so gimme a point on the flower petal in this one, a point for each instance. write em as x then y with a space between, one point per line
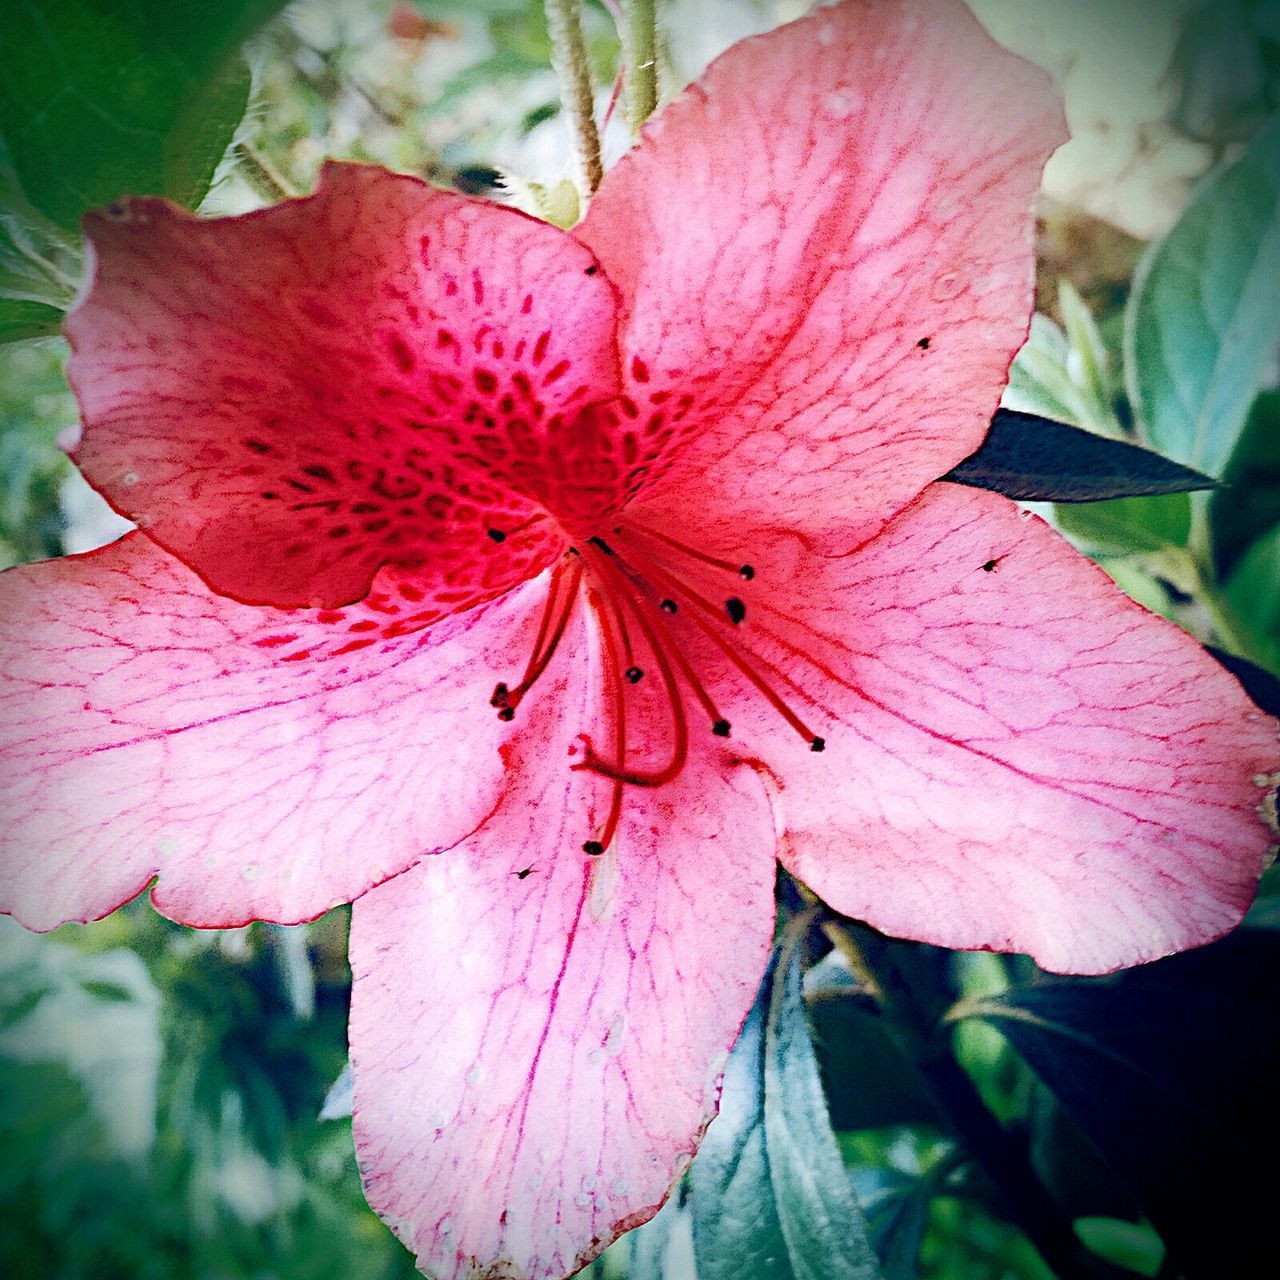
373 374
825 255
537 1036
265 764
1017 756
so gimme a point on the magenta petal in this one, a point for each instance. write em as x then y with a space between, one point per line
825 255
378 373
264 764
537 1036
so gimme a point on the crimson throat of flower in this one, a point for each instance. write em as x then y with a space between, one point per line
643 605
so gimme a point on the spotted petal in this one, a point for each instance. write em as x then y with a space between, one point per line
824 250
537 1036
379 373
1017 757
265 764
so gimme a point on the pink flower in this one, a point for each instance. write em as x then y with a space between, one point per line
665 482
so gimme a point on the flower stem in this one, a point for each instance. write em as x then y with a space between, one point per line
913 1000
569 56
259 173
640 52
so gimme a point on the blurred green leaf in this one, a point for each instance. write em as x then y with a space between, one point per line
1087 358
97 1014
1169 1068
769 1191
1252 593
1124 526
1131 1245
22 320
99 98
1248 503
1202 321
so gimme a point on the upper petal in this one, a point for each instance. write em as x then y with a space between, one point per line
265 764
1017 756
537 1035
378 373
825 255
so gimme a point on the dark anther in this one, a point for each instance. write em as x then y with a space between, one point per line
634 675
593 847
497 535
720 728
667 606
507 714
602 544
818 744
991 566
500 695
520 875
591 270
735 609
923 344
746 573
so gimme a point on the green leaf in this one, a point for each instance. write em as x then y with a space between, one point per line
1131 1245
1170 1070
1127 526
1087 357
100 98
769 1191
1202 321
22 320
1036 459
1252 593
1248 503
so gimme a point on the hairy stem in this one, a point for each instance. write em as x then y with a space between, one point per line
640 53
569 56
259 173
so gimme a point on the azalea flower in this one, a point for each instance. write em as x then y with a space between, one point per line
536 589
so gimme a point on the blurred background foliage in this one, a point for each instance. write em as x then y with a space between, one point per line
161 1089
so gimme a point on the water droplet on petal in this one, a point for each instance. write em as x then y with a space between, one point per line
947 287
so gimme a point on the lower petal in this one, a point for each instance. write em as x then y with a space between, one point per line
264 763
538 1035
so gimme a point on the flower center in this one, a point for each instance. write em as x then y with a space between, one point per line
636 583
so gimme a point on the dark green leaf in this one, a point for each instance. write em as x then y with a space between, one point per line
22 320
769 1191
99 98
1202 321
1259 684
1247 504
1170 1069
870 1082
1035 459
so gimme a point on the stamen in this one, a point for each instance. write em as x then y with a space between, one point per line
735 609
497 535
668 606
556 614
634 675
609 619
672 583
744 571
680 746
